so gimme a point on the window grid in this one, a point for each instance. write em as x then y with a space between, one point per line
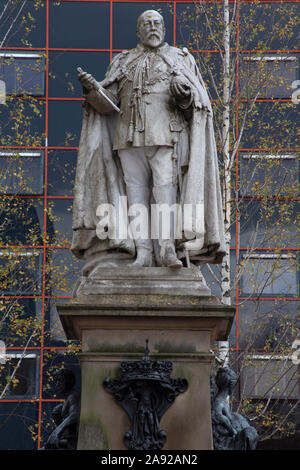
46 148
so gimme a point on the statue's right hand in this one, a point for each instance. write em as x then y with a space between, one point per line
86 79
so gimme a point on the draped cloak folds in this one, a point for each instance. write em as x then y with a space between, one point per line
99 176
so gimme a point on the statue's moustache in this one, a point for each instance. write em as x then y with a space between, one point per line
153 35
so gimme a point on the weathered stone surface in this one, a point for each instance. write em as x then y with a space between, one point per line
113 327
158 150
186 422
231 431
143 280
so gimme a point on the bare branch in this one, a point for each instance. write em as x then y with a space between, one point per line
17 366
12 23
212 36
4 9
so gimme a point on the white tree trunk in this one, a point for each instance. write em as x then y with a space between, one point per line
225 273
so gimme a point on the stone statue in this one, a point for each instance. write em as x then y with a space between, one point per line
231 431
65 415
147 139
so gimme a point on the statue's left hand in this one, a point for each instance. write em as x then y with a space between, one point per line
180 88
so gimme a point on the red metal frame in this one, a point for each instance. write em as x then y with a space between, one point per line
45 198
45 227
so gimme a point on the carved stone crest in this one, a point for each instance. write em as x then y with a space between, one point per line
145 391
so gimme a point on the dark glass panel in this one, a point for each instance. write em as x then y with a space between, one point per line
24 24
268 324
22 122
268 223
210 66
125 17
270 275
87 25
269 175
64 271
269 26
60 213
24 369
19 319
269 377
21 271
200 26
268 76
61 172
270 125
21 173
17 426
23 73
64 123
21 221
63 80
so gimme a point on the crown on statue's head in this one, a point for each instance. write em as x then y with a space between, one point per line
146 368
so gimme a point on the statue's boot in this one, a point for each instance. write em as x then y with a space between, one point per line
168 256
166 194
144 257
138 194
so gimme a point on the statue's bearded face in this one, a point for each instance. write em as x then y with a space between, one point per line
151 29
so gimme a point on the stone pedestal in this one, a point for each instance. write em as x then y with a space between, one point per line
113 312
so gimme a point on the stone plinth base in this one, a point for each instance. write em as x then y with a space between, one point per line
140 280
113 318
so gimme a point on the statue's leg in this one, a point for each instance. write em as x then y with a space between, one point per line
137 176
165 195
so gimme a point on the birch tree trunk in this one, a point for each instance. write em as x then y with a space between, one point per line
225 271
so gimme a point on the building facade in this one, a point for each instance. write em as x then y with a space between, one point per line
41 46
